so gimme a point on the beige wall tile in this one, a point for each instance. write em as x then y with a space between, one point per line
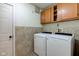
24 40
68 27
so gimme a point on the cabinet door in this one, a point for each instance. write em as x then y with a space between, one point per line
42 17
52 14
59 11
58 47
69 10
47 16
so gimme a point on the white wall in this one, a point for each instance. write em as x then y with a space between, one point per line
26 16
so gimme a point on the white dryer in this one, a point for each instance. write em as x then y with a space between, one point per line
40 44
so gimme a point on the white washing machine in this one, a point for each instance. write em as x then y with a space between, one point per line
60 45
40 44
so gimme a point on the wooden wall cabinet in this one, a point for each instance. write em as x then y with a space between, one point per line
60 12
47 15
67 11
43 17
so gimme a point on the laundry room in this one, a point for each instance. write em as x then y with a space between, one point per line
39 29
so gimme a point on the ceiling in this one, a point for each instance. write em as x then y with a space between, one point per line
42 5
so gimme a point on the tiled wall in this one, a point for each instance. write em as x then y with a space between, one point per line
24 40
69 27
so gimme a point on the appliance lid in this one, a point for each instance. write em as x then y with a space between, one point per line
41 34
63 37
